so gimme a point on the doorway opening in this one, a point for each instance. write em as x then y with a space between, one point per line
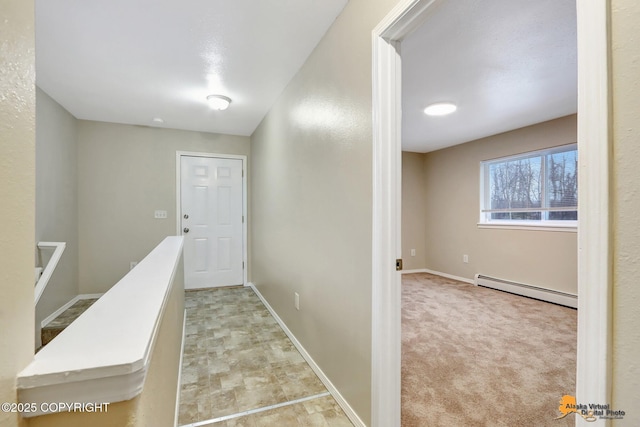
594 275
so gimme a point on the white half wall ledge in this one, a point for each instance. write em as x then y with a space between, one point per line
101 358
50 318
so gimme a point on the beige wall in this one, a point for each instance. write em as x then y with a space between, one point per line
17 195
337 270
414 211
541 258
56 201
155 406
125 173
311 205
626 207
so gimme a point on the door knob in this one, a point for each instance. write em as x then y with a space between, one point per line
186 230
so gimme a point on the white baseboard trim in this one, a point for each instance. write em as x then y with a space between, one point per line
61 310
348 410
184 330
439 273
417 270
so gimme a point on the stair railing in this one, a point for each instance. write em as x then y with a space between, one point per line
51 266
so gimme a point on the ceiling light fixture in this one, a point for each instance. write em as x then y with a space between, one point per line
440 109
158 120
218 102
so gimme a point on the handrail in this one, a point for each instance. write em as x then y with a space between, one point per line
51 266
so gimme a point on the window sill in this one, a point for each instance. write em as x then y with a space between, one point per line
547 226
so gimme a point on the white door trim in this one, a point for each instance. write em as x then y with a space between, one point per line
179 154
594 256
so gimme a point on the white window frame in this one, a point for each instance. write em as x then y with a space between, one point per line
485 220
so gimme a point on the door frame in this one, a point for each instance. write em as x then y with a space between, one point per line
593 375
179 155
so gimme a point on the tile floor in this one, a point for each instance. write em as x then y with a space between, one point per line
237 362
57 325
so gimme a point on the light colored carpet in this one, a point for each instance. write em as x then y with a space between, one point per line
473 356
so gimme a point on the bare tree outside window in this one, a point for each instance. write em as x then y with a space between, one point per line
562 187
516 185
539 186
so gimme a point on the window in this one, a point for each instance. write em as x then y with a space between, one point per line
533 189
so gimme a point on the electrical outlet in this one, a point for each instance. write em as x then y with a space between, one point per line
465 258
296 300
413 252
132 264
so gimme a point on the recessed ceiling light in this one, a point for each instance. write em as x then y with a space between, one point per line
440 109
218 102
158 120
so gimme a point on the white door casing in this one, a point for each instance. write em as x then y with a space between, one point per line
211 211
594 244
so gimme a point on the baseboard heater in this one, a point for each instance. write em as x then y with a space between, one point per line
556 297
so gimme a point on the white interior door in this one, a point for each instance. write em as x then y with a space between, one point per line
211 221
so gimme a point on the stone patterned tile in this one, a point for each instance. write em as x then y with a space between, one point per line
237 422
259 397
57 325
189 412
237 358
325 413
281 417
222 402
72 313
232 379
258 378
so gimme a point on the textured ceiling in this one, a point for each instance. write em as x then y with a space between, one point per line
505 63
129 61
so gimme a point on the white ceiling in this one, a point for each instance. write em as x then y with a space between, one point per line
505 63
129 61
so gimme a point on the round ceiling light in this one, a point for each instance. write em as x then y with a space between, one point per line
218 102
440 109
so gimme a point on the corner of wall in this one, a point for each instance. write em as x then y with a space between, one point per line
17 192
451 225
56 201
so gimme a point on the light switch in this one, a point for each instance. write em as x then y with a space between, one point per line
160 214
